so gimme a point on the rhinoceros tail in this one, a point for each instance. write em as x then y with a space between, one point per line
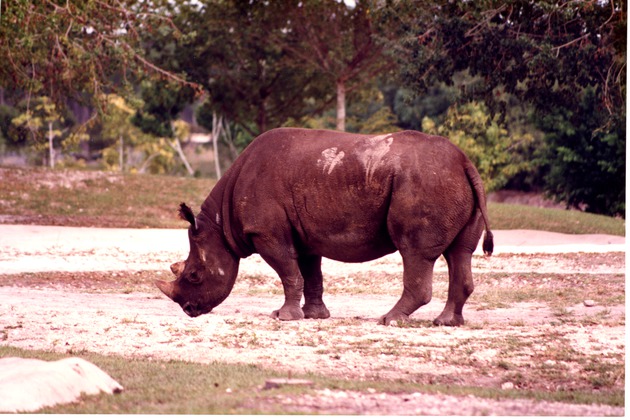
477 185
488 243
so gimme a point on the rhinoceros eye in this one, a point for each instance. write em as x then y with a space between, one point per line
193 277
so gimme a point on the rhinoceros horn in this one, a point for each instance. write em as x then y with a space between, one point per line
166 287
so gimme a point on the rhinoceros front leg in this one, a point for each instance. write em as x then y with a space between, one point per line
293 287
311 269
286 266
417 288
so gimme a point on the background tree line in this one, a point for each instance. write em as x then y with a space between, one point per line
534 92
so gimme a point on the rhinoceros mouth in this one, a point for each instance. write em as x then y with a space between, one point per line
194 310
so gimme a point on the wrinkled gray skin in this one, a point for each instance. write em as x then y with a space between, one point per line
295 196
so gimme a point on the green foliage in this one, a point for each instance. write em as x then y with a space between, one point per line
342 44
587 162
161 104
119 131
9 133
232 50
43 122
369 114
74 49
488 143
37 120
64 49
549 55
411 109
527 49
240 137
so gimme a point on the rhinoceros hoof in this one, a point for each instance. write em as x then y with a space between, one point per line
393 319
288 314
316 311
449 321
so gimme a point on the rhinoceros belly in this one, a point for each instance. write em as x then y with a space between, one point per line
350 246
343 225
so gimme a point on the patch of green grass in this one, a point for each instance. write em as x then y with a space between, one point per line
164 387
110 199
104 199
179 387
512 216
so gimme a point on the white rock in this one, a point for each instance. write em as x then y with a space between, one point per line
31 384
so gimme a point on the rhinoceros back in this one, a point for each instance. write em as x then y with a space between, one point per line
347 196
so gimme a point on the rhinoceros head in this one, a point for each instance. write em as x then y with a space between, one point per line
207 276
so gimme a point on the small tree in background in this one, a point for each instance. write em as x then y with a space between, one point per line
43 121
118 129
157 115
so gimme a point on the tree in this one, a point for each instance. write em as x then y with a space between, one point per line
10 135
162 103
339 41
118 129
224 133
548 54
61 49
586 163
230 49
42 118
527 49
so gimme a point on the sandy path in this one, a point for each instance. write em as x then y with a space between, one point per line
27 248
350 344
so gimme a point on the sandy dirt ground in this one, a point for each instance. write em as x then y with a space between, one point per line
500 346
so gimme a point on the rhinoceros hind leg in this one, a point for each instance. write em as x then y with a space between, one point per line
449 320
460 280
460 286
417 288
393 318
288 313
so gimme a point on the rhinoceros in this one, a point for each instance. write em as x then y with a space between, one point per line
297 195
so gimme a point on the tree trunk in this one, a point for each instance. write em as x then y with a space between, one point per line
229 140
217 127
121 154
144 166
51 149
178 148
341 106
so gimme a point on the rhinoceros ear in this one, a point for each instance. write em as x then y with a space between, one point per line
185 213
178 267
